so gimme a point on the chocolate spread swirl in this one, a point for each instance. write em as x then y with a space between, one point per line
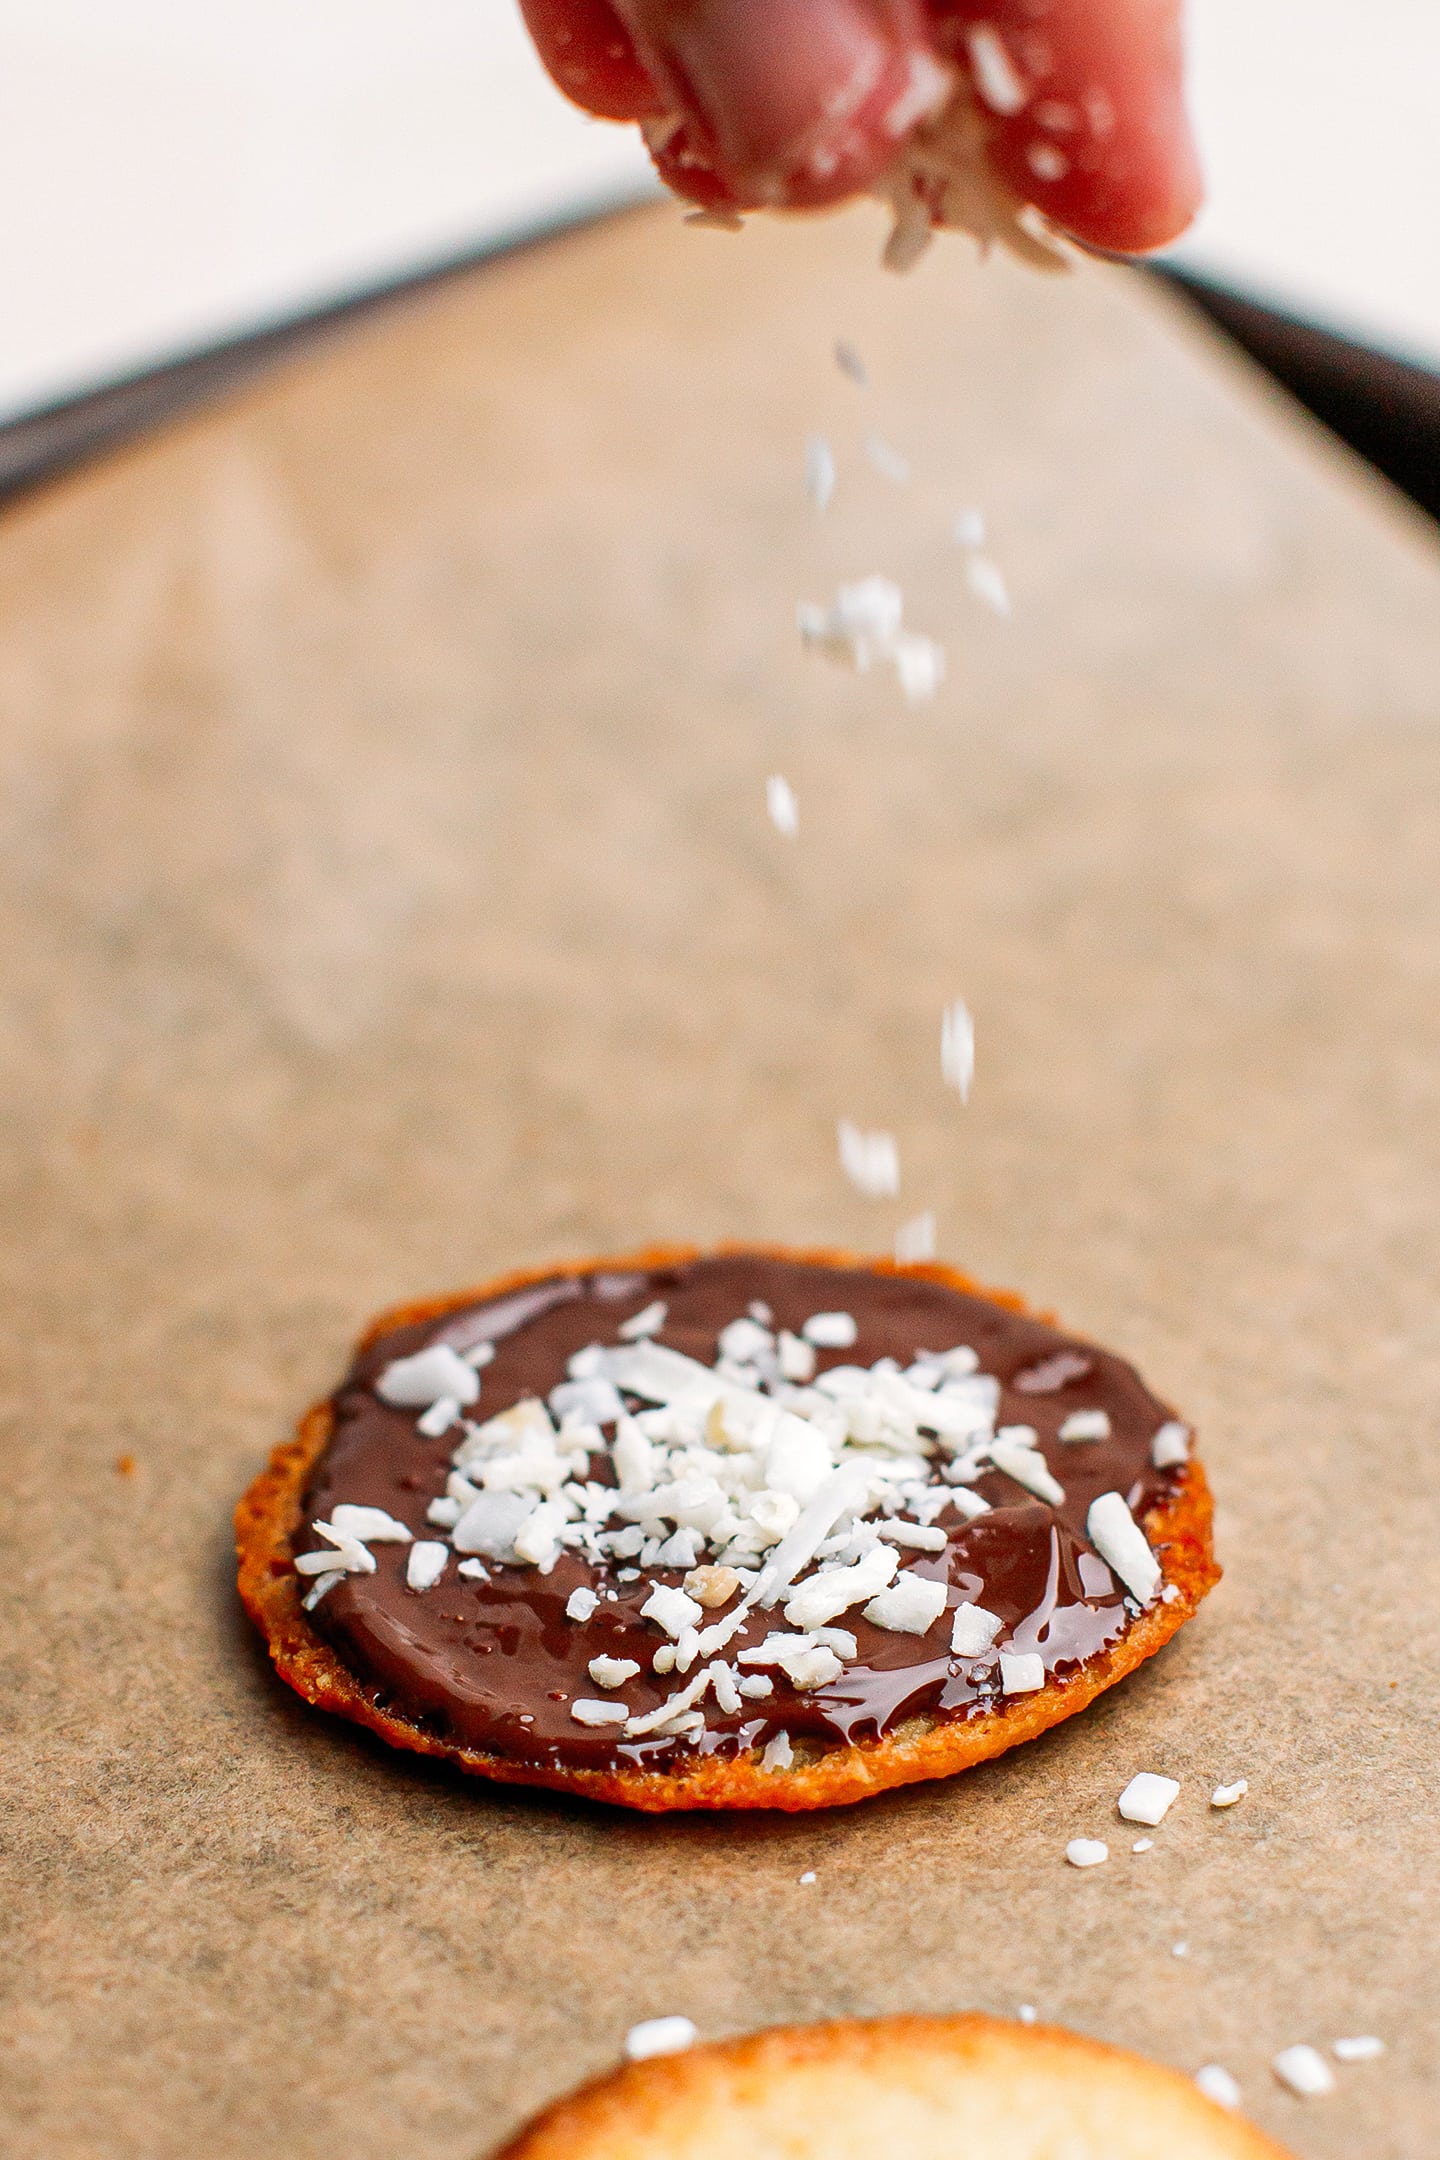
495 1663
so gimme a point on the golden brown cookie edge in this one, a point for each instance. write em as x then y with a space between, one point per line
617 2113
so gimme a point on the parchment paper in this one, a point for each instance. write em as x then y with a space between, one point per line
389 899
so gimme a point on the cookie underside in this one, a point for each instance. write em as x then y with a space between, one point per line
270 1514
928 2087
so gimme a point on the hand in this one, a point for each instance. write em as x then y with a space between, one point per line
796 103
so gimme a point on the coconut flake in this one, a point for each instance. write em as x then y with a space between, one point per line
643 1324
425 1564
1085 1425
369 1525
830 1330
659 2036
887 460
1147 1798
612 1672
321 1587
1228 1795
438 1419
671 1609
1122 1544
915 1240
849 362
1171 1445
997 79
917 1537
1022 1672
1363 2047
819 471
1217 2084
777 1753
987 584
1085 1852
864 627
1305 2070
973 1630
1026 1465
957 1048
414 1383
824 1597
598 1713
911 1605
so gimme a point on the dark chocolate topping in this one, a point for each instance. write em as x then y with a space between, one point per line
495 1664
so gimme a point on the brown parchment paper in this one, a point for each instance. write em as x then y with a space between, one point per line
388 898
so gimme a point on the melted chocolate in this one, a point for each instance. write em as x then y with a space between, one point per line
496 1664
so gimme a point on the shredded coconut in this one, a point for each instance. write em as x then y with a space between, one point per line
1122 1545
864 626
819 471
781 806
871 1161
830 1330
1148 1798
987 584
997 78
598 1713
428 1377
1086 1852
1228 1795
1217 2084
370 1525
643 1324
957 1048
581 1604
659 2036
915 1240
849 362
612 1672
1305 2071
887 460
973 1630
1021 1672
911 1605
1171 1445
1085 1425
425 1564
777 1754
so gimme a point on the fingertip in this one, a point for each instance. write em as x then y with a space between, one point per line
1098 136
589 54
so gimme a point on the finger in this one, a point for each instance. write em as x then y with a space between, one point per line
1093 128
795 102
589 52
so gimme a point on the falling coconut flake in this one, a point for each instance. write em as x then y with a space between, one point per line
968 529
870 1160
819 471
915 1240
986 583
864 626
849 362
782 806
957 1049
887 460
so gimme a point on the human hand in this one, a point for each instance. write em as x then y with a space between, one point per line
798 103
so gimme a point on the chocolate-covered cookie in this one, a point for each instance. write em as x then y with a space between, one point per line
739 1529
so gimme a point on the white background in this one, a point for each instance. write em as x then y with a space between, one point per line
172 171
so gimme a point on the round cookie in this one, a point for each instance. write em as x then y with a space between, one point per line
931 2088
743 1529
